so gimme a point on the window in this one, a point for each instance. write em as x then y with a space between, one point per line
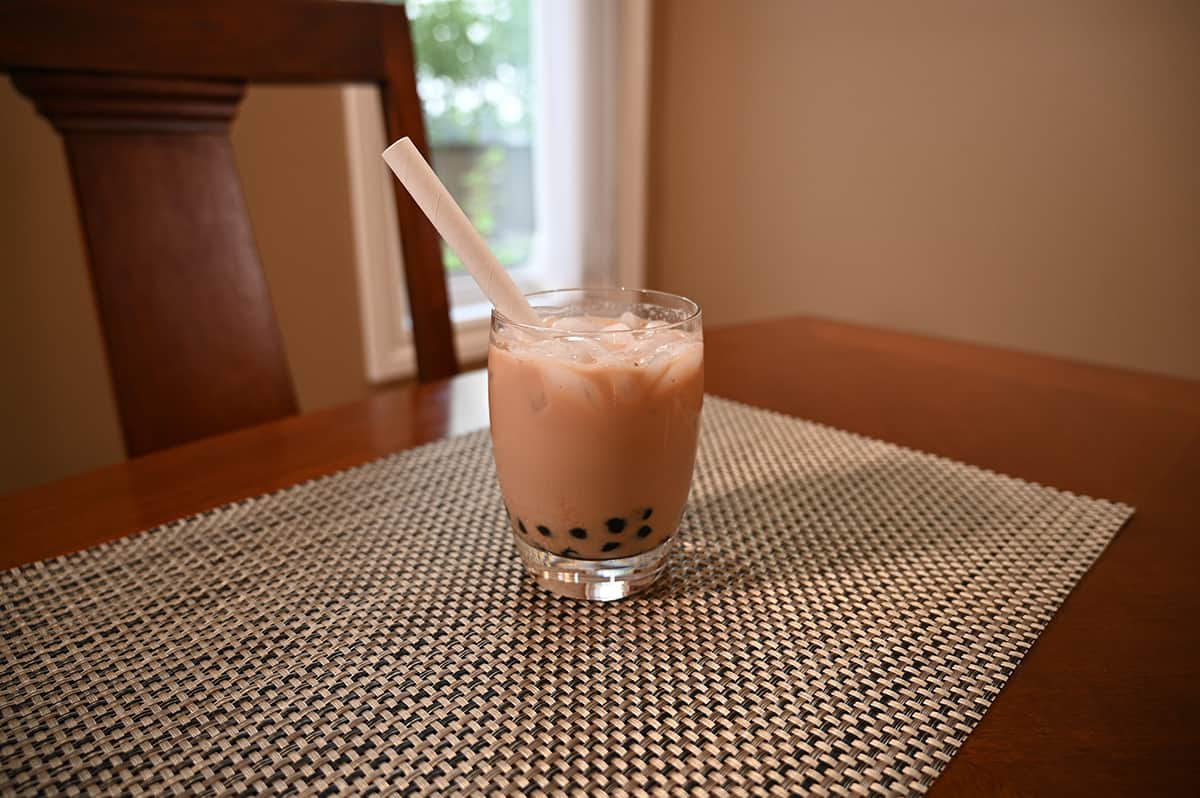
475 78
536 118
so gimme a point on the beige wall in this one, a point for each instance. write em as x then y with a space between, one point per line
291 152
57 414
1024 174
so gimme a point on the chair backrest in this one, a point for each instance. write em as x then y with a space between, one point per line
143 93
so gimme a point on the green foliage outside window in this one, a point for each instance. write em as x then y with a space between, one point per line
474 74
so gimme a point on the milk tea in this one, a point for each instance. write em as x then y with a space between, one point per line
594 425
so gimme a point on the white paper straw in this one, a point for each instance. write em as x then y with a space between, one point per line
454 226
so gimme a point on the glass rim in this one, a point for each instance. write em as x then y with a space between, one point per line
691 308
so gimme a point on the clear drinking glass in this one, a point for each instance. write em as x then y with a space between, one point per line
594 424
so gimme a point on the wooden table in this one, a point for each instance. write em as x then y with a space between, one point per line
1107 701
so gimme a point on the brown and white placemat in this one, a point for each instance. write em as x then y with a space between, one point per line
839 615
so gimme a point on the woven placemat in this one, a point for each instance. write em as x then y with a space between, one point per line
838 616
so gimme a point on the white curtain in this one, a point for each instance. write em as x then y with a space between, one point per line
590 58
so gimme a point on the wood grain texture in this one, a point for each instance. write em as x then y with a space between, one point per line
1104 703
128 497
277 41
143 94
188 324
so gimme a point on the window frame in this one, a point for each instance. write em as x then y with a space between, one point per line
608 78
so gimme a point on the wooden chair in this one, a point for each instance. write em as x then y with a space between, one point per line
143 93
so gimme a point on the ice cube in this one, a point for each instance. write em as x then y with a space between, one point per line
615 337
655 363
684 361
562 382
625 383
580 324
580 349
631 321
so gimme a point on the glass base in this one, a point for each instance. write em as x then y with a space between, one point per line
597 580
